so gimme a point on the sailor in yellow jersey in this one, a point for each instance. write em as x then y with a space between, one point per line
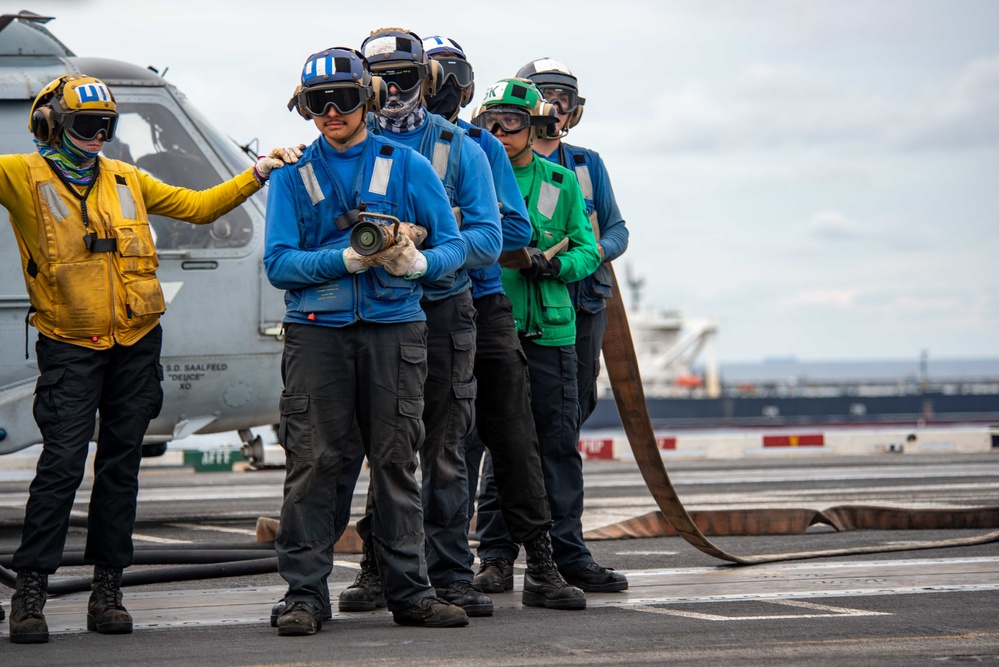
82 227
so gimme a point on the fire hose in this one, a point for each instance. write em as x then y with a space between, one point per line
626 382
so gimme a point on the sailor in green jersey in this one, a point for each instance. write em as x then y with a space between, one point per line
563 250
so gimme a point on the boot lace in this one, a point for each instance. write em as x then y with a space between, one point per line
368 576
545 563
107 588
32 593
487 563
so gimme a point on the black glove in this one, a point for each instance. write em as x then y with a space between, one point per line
542 268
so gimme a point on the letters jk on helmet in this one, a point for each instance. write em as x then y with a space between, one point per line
340 77
82 105
549 73
522 95
398 48
453 64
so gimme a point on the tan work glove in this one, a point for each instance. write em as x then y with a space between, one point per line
355 262
402 259
276 159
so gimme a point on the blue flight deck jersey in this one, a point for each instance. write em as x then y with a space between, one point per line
465 173
513 213
303 248
589 293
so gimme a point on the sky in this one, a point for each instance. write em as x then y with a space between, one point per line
819 177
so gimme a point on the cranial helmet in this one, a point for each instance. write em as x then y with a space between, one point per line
550 74
398 48
82 105
453 63
518 95
340 77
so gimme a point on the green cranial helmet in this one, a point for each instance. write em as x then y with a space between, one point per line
519 95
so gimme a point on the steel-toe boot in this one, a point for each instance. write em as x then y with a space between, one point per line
105 614
495 575
543 585
279 608
27 622
299 619
366 592
596 579
464 594
432 613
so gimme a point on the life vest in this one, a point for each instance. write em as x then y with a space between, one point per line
97 292
380 184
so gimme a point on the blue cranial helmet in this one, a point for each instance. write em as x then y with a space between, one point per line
340 77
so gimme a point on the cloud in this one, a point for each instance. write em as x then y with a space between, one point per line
965 115
833 226
768 106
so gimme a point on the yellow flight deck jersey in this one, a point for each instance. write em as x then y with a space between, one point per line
99 299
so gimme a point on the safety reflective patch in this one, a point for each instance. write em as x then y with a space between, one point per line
550 65
127 202
442 152
57 207
381 46
548 200
380 176
585 184
308 176
93 92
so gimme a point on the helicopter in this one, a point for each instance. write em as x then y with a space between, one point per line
222 327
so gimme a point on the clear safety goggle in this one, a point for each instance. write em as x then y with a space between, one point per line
345 99
509 120
565 99
459 70
404 78
86 125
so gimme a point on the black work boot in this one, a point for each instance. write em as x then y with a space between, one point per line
597 579
27 622
366 592
432 613
464 594
299 619
279 608
495 575
105 614
543 585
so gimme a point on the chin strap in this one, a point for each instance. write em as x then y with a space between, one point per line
527 149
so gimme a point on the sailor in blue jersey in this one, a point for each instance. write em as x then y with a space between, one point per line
398 58
355 341
559 85
503 406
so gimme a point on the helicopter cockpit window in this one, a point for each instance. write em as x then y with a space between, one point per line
150 137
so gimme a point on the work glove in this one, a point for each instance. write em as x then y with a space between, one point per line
541 267
355 262
402 259
276 159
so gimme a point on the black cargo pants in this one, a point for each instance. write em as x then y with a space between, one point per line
376 372
124 383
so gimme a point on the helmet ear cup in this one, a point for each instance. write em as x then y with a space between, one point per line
296 104
433 82
379 90
43 125
576 115
548 130
466 96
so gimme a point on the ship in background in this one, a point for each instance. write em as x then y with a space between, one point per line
685 387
